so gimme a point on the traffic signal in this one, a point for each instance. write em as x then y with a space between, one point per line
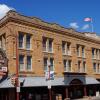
13 81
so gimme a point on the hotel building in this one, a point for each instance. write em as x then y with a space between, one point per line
72 57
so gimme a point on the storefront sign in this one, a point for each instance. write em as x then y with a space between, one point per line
49 84
18 89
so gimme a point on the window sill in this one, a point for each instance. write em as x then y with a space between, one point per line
95 59
48 52
97 73
66 54
25 49
81 57
26 72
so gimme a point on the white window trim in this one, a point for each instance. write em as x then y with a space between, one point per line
31 65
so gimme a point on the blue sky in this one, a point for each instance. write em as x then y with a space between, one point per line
67 13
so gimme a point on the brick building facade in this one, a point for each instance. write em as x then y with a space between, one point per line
74 59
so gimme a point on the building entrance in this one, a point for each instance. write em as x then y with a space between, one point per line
76 89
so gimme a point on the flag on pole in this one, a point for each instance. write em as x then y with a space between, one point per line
88 19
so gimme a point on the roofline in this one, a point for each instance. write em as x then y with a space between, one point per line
13 16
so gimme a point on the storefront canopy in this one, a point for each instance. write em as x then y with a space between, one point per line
41 81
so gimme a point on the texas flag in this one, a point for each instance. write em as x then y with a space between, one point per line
88 19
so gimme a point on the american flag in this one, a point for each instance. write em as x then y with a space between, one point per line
87 19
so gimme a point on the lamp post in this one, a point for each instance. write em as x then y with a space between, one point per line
17 80
49 87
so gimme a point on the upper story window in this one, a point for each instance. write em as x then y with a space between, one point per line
48 63
84 66
66 48
98 68
29 63
28 41
80 50
83 52
3 42
63 47
47 44
67 65
21 40
21 62
24 41
79 66
93 53
45 64
94 67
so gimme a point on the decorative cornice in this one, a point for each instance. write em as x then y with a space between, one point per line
36 22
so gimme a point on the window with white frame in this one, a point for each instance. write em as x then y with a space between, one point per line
78 50
47 44
21 40
44 43
94 67
83 51
51 64
84 66
28 41
3 42
79 66
66 48
93 54
21 62
50 49
29 63
98 68
67 65
46 64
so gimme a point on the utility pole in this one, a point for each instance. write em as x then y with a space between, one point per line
17 79
50 98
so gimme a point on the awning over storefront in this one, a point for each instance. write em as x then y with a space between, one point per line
41 81
91 80
33 82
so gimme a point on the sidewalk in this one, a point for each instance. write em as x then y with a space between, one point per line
90 98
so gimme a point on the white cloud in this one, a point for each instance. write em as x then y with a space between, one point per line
4 9
86 26
74 25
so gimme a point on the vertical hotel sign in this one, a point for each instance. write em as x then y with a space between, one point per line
3 62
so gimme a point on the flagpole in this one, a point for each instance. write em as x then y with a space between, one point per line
92 26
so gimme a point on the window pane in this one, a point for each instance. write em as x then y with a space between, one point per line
50 45
83 55
84 66
21 62
44 43
28 39
94 67
63 47
45 64
92 52
79 68
51 64
21 40
78 52
29 63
